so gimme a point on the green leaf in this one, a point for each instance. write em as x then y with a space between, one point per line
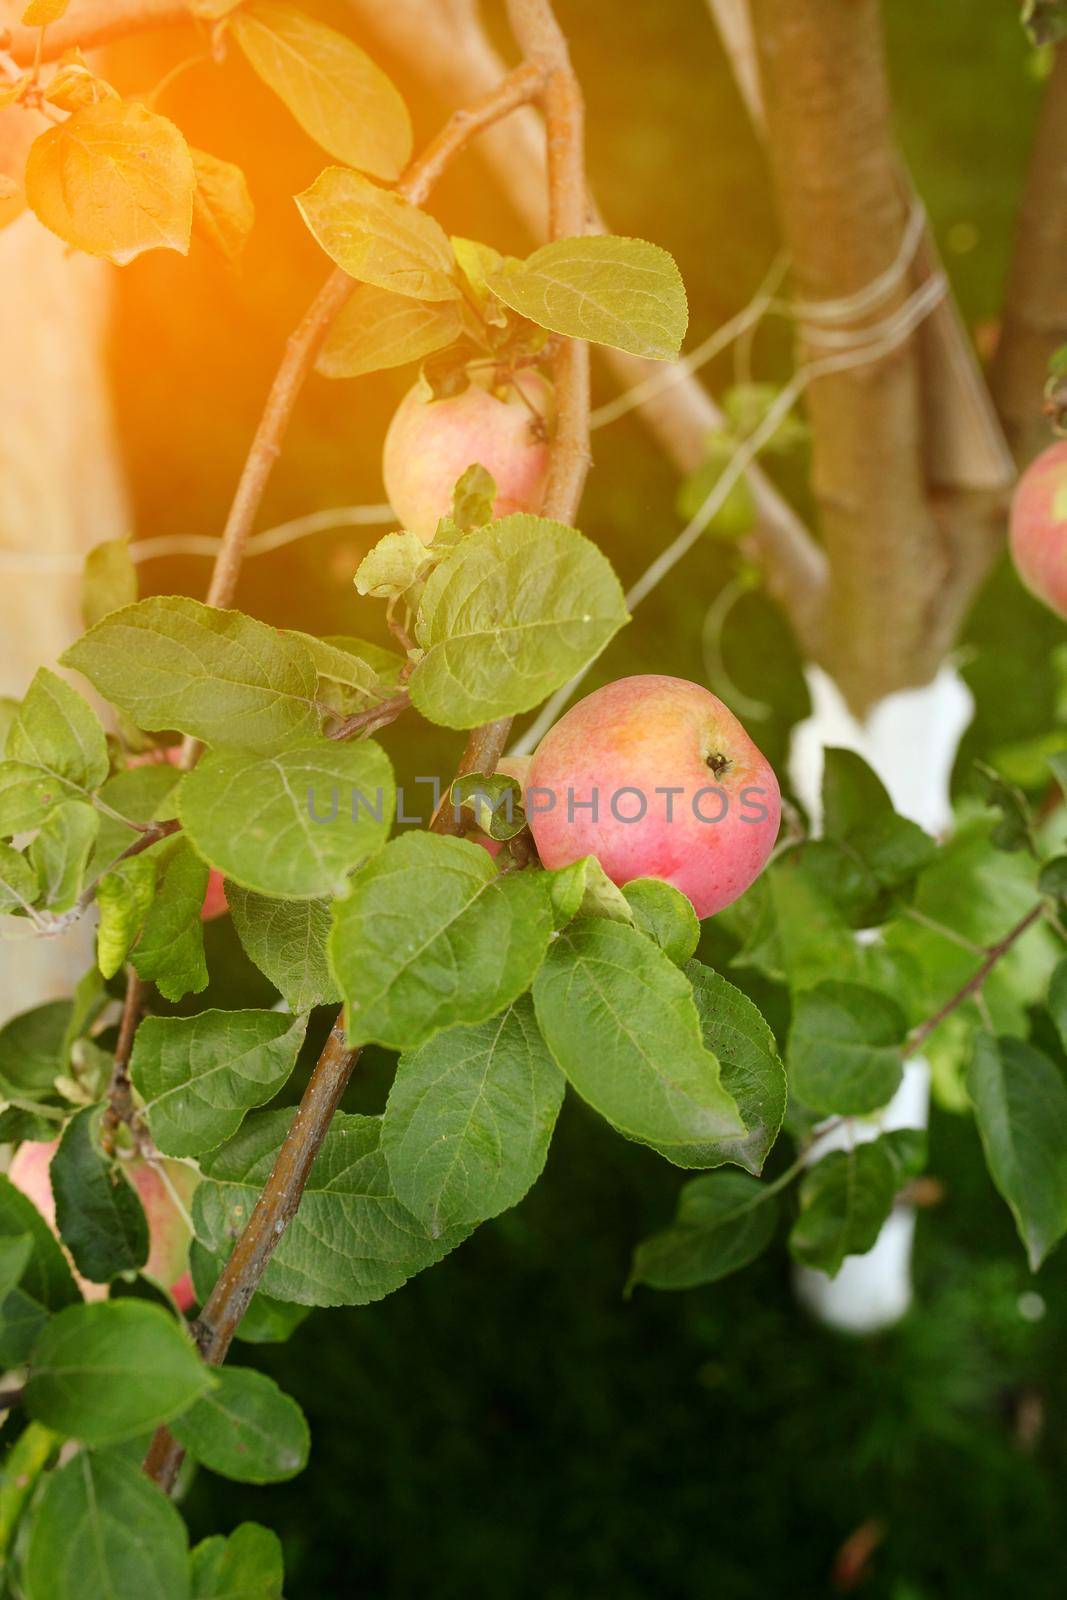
27 797
34 1051
664 916
199 1075
107 1372
1057 999
246 1566
98 1213
286 939
723 1222
114 180
60 854
170 662
143 794
123 899
103 1530
747 406
752 1073
378 237
620 1020
584 889
1052 879
737 514
508 616
391 566
47 1278
21 1320
478 262
109 580
294 823
472 499
170 951
18 880
469 1119
24 1463
625 293
858 814
1014 831
430 936
246 1429
266 1321
18 1126
1020 1104
845 1048
847 1196
15 1252
351 1241
378 329
353 673
332 87
494 802
55 732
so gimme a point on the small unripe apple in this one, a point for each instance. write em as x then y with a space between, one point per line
1039 527
168 1231
215 902
657 779
431 443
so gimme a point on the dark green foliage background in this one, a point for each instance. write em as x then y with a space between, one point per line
508 1425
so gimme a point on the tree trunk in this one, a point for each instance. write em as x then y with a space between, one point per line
844 217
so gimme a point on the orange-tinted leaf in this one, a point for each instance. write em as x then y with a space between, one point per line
332 87
39 13
75 85
223 212
115 180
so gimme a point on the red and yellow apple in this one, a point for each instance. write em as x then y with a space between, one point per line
166 1191
657 779
431 443
1039 528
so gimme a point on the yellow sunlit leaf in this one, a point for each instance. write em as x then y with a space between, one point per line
377 236
114 180
331 86
39 13
223 212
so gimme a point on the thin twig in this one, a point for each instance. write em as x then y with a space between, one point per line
149 835
120 1093
918 1036
274 1210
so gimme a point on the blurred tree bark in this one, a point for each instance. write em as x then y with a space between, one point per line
1035 305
